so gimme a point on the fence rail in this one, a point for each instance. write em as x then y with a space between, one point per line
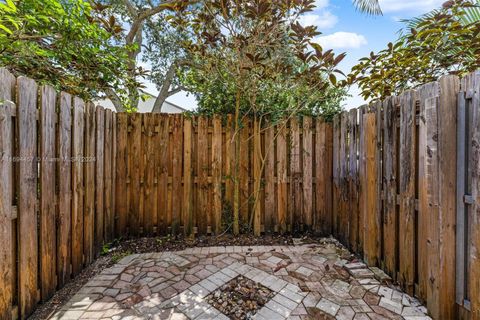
56 190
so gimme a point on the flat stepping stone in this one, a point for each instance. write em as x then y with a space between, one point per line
361 273
380 275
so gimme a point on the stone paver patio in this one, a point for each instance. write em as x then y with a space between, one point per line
317 281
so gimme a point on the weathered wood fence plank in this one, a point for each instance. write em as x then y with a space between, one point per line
64 218
77 184
89 167
407 191
390 186
370 197
47 238
7 272
307 181
27 195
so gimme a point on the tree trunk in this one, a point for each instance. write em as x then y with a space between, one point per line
258 164
164 91
116 101
236 182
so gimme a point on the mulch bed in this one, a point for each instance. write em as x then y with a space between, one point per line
240 298
121 248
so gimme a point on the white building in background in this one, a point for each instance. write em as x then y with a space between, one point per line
146 106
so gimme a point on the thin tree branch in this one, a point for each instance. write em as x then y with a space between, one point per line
141 16
176 90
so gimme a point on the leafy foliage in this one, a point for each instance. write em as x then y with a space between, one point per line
368 6
256 54
445 41
64 43
277 99
151 39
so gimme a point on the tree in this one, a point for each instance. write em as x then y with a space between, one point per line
368 6
63 43
251 46
153 40
444 41
149 38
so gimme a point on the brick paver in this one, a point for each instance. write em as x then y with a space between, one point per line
316 281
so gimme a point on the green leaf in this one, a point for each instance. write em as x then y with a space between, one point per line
5 29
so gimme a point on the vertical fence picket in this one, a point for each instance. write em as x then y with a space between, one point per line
99 178
257 178
407 191
113 157
307 180
229 162
135 140
217 173
187 209
64 218
177 172
244 173
328 175
108 175
449 87
27 195
295 198
202 171
370 205
89 167
270 204
163 145
7 274
282 179
390 186
47 191
8 257
336 174
344 219
77 184
149 176
432 167
352 179
121 208
361 178
425 93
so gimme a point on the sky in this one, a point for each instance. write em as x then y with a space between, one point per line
344 29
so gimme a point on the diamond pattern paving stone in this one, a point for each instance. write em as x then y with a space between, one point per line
303 278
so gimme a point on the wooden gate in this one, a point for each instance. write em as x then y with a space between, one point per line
468 187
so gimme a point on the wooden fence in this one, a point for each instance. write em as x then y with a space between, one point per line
56 190
175 173
397 181
398 184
